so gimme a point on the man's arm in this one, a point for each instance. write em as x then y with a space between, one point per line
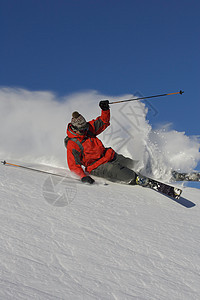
74 159
102 122
74 163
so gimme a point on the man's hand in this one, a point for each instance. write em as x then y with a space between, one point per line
104 105
87 179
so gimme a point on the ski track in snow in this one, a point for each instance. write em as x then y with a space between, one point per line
110 242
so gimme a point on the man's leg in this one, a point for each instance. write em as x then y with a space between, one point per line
126 161
114 171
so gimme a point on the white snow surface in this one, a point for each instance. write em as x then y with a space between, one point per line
61 239
95 242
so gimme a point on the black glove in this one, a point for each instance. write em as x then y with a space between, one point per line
87 179
104 105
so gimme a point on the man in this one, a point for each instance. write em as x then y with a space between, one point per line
85 149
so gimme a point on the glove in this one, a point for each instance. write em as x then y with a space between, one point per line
87 179
104 105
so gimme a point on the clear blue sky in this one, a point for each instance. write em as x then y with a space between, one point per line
113 46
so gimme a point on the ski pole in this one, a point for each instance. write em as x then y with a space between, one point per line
32 169
148 97
49 173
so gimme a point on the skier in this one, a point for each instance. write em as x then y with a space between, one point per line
85 149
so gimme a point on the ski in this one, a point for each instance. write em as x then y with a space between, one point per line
193 176
158 186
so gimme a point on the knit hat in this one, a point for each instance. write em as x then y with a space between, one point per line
78 121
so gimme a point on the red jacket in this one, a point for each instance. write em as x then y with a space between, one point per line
88 150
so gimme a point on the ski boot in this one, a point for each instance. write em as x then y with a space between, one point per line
142 181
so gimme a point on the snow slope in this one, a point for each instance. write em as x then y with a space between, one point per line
95 242
64 240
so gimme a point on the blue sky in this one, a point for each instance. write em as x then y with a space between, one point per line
115 47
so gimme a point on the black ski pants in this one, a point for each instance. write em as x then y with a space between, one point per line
119 169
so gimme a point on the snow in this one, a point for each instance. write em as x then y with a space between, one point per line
108 242
61 239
